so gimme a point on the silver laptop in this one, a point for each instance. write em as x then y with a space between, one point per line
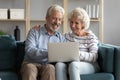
63 52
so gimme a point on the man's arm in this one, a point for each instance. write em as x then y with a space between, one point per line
31 46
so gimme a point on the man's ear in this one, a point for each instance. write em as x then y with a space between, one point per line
36 27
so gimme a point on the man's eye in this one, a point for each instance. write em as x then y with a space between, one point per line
76 23
60 19
71 22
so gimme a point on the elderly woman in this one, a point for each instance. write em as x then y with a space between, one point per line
79 23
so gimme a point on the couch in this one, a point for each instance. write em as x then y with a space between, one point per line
12 54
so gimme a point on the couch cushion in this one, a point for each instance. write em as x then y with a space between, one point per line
98 76
7 52
5 75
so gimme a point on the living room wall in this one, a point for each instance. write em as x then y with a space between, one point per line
112 22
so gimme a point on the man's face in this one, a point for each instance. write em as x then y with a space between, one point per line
54 20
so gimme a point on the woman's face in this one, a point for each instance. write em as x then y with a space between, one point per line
76 25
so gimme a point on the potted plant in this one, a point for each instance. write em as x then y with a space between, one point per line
2 33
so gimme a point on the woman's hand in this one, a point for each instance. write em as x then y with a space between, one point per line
36 27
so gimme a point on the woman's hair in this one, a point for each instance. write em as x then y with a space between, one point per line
81 14
56 8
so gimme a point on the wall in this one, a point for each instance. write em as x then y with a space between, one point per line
112 22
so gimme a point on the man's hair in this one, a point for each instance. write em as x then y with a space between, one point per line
82 15
56 8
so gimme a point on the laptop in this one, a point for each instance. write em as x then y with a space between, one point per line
63 52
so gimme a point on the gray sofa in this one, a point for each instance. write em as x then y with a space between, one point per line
12 54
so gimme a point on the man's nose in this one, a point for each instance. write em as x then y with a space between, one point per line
73 25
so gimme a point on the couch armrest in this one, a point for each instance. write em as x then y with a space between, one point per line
7 52
117 63
106 58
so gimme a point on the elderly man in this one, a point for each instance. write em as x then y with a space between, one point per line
35 62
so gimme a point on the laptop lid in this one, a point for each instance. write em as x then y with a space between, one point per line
63 52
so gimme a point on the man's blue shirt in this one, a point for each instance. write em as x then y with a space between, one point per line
36 44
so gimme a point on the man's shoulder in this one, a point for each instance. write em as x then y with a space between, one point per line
58 34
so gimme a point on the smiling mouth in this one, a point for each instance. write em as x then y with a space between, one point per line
55 26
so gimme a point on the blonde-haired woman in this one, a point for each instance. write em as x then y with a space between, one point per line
79 22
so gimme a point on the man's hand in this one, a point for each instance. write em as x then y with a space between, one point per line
36 27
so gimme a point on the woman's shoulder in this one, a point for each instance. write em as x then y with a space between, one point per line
91 34
67 34
92 37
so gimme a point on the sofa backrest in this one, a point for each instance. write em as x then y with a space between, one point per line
106 58
20 53
7 52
